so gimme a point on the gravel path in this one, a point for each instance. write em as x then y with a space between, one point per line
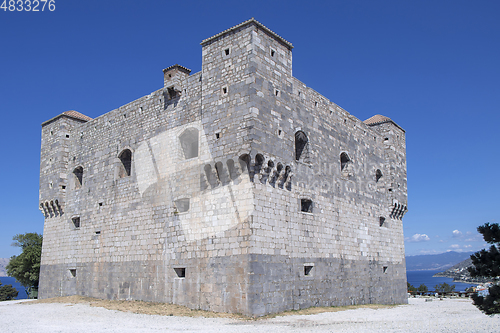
448 315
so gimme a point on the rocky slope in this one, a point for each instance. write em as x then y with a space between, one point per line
3 263
440 261
459 273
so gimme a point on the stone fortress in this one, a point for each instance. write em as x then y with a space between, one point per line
234 189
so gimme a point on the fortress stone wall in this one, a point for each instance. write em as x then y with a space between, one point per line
235 189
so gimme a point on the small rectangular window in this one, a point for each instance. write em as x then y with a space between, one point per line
181 272
72 272
308 269
306 205
384 269
76 222
382 221
182 205
226 51
273 52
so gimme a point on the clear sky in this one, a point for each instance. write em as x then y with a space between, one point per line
431 66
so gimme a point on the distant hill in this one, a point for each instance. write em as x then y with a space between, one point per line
440 261
3 263
459 273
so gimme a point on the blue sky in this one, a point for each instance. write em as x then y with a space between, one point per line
431 66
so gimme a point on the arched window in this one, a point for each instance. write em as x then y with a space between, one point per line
189 143
301 146
259 161
78 173
126 163
378 175
344 161
244 163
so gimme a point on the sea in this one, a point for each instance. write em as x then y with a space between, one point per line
12 281
416 278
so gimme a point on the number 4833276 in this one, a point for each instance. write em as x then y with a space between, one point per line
28 6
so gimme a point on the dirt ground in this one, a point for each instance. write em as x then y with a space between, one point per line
165 309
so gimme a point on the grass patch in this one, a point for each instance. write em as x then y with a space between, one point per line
140 307
322 309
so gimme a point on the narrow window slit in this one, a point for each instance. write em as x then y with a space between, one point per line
126 163
181 272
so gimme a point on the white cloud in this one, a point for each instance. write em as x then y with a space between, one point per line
419 238
454 246
475 238
457 233
429 252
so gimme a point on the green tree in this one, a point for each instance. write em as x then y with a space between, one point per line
444 288
422 288
410 287
26 266
486 263
7 292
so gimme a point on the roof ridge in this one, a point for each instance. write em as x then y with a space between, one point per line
252 20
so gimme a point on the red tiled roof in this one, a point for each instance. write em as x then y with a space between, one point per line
377 119
72 114
380 119
76 114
